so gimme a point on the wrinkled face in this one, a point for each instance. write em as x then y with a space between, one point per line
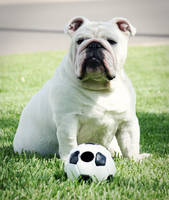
98 50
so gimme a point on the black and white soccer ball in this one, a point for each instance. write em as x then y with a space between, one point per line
90 161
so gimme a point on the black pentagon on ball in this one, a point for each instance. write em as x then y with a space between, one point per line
110 178
100 159
74 157
87 156
85 178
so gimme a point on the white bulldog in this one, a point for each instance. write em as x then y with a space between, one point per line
89 98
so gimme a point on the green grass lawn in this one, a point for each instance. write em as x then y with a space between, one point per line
34 177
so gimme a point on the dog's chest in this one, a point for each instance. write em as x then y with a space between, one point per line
96 127
99 121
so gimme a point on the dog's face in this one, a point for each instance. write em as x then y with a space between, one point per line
98 49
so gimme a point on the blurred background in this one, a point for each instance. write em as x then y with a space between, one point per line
37 25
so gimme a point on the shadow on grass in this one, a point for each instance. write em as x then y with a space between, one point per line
25 164
154 136
7 152
154 130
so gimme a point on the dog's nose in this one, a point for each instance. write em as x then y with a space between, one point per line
94 45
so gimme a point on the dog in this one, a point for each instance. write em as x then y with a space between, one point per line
89 98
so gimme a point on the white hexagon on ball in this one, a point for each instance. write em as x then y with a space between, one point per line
90 161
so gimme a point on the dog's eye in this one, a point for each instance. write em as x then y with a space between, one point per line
112 42
79 41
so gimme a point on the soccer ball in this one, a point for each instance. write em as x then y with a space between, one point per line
90 161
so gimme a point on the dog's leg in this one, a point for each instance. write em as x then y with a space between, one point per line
128 137
114 148
67 136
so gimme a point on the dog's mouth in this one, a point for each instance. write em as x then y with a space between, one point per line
93 63
94 66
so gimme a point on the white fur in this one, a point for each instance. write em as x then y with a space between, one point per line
68 111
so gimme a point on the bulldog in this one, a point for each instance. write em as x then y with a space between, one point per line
89 98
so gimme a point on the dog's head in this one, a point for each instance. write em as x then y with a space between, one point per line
98 49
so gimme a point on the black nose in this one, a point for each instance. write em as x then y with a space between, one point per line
95 45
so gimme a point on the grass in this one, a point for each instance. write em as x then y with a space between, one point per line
34 177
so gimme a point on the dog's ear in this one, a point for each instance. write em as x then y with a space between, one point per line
75 24
125 26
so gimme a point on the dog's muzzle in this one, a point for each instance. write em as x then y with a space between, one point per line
94 55
94 60
93 63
